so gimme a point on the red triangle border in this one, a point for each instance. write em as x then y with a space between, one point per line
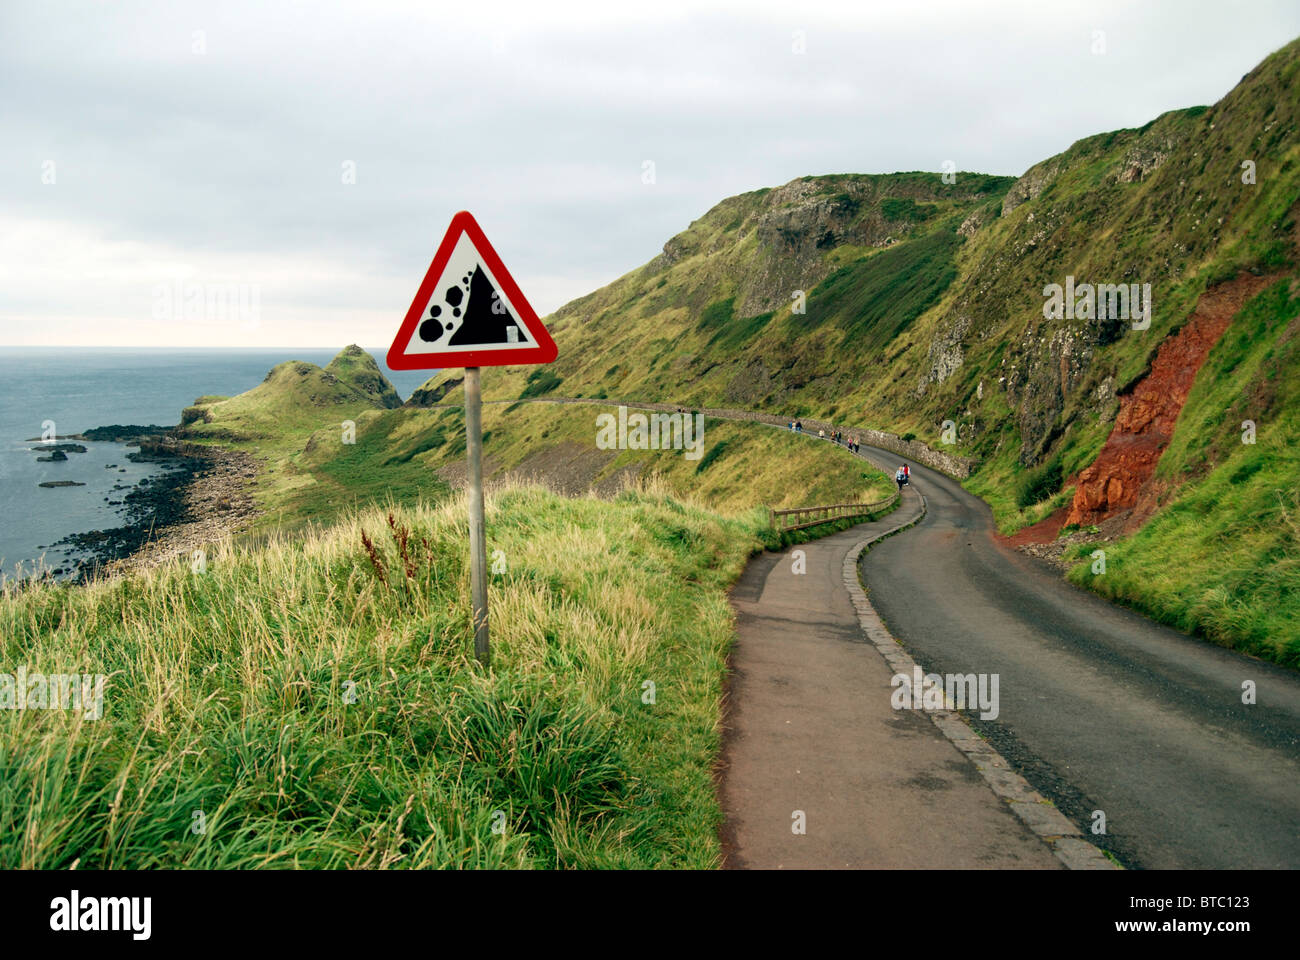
544 352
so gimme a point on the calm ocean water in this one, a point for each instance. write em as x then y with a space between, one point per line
83 388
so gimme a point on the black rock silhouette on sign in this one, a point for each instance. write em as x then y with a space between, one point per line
481 323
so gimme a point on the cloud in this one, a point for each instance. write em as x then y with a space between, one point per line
219 138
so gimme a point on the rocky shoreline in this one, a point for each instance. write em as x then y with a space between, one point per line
203 497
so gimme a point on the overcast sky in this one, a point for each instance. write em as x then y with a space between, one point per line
150 148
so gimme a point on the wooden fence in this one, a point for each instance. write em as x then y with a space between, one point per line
801 517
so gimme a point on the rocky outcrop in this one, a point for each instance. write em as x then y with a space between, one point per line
427 396
1034 181
202 502
798 233
1140 161
970 226
358 369
946 355
1155 144
61 448
1054 366
125 432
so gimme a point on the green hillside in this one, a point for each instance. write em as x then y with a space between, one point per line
925 305
332 440
906 303
295 397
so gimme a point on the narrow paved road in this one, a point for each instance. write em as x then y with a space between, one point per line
1101 709
820 771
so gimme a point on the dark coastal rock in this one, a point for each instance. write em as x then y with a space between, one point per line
155 503
140 457
54 457
119 433
61 483
60 448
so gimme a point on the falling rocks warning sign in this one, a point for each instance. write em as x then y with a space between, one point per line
469 312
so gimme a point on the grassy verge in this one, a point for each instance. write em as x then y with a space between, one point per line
228 709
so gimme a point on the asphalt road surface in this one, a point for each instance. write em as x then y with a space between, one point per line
811 736
1101 709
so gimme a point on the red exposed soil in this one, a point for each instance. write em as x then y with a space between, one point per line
1118 479
1043 531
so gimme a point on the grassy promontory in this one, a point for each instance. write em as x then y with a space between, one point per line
311 703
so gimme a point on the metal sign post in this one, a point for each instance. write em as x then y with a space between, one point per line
477 547
470 313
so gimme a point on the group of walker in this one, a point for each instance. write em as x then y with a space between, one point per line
836 436
901 477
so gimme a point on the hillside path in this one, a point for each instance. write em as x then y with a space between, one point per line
809 727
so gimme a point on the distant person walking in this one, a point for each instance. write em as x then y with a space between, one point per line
907 473
900 478
822 433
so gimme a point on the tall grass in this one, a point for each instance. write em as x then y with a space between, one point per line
304 704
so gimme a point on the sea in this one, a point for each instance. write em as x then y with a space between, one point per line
67 390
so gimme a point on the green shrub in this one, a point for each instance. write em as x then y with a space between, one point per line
894 208
1040 484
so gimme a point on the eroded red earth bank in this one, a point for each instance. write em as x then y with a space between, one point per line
1120 478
